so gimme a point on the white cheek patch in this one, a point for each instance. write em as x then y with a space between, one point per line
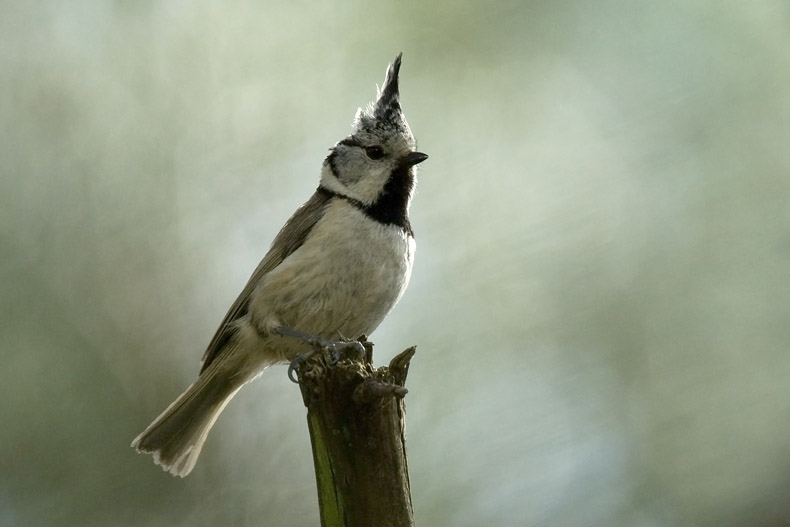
367 188
330 182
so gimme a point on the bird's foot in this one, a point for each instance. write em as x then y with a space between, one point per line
337 349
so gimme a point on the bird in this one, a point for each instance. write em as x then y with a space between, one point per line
336 268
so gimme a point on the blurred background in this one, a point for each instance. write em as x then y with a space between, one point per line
601 296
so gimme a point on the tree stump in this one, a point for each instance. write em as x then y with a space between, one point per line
357 421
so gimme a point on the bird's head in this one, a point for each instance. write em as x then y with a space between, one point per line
376 162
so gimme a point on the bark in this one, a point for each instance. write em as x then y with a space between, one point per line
357 419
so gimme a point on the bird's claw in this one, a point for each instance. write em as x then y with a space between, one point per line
296 365
336 349
349 347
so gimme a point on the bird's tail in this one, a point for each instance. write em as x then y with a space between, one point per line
176 437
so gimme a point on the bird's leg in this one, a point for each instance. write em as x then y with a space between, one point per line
305 337
318 344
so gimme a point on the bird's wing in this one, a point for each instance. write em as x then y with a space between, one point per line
289 239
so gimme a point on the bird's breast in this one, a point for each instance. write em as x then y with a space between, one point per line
347 275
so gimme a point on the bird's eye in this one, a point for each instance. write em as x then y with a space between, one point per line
374 152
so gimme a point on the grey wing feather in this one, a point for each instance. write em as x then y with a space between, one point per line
289 239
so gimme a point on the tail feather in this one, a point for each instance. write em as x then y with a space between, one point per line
176 437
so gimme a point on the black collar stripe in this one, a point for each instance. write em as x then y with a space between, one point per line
332 194
380 211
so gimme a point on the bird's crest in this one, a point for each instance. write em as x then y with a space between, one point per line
385 112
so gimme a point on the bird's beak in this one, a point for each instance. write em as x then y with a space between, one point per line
413 158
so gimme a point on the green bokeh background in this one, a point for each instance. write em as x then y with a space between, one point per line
601 297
